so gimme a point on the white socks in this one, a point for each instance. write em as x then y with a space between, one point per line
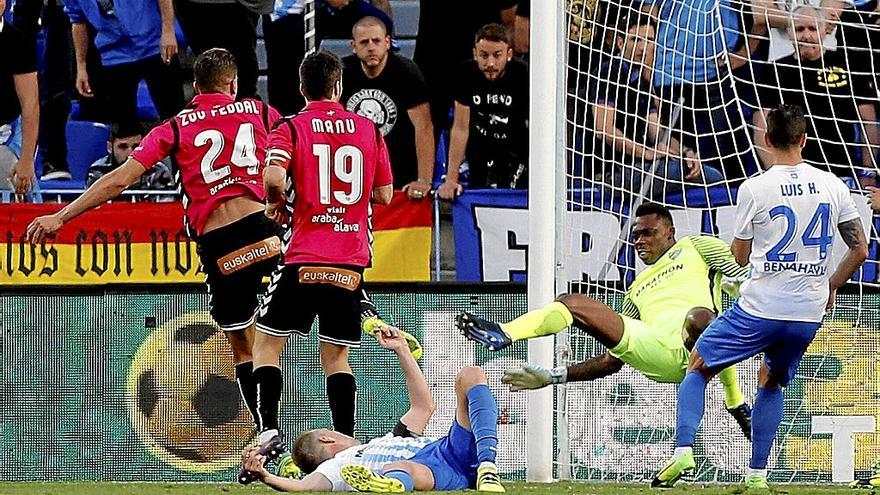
680 451
756 472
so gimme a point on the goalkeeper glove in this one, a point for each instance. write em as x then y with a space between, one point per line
730 285
530 377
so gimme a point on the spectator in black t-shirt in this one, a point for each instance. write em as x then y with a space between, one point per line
389 89
446 37
491 117
835 98
19 108
336 18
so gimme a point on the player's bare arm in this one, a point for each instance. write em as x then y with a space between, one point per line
530 377
741 249
421 402
314 482
106 188
853 235
594 368
274 180
382 194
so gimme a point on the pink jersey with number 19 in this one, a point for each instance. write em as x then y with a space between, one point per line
217 144
335 159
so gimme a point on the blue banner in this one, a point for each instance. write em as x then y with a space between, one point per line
492 233
473 226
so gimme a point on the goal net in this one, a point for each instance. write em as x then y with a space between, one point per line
664 101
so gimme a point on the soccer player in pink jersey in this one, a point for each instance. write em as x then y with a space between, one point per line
338 164
218 146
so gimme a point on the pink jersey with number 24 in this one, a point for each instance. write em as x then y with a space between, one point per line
218 147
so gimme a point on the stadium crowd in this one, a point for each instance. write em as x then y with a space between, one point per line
663 94
126 65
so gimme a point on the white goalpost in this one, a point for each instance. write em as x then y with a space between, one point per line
625 99
546 154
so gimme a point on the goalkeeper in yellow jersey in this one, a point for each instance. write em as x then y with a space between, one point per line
666 308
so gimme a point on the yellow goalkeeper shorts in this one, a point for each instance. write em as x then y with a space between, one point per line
646 350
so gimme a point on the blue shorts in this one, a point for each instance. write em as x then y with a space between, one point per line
452 459
737 335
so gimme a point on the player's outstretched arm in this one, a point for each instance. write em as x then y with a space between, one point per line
314 482
421 403
103 190
274 179
529 377
742 250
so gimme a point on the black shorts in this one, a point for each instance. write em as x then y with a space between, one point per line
292 302
234 294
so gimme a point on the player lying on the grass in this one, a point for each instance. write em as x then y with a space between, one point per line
666 308
787 220
402 460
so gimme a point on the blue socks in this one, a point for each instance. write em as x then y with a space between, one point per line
402 476
691 403
483 413
766 416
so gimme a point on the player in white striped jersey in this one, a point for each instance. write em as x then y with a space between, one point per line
403 460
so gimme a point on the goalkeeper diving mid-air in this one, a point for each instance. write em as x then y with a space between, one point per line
666 308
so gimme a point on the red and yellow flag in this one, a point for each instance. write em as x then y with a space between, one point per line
402 241
147 243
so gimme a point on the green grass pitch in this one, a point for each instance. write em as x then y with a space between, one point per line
104 488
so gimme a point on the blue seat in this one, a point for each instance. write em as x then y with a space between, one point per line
406 18
146 109
407 48
339 47
86 142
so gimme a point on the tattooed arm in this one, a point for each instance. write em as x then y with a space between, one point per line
854 236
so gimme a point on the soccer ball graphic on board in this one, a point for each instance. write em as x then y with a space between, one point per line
183 399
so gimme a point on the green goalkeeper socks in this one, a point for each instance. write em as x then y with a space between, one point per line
733 396
552 318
